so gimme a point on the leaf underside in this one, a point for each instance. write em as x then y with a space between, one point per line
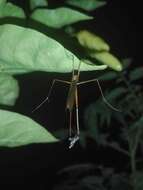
9 90
17 130
26 50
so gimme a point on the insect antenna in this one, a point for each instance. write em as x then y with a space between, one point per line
45 100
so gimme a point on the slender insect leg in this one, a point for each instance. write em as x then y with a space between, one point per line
70 124
47 98
73 66
87 81
79 69
75 138
77 115
103 97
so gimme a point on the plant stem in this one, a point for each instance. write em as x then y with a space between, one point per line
120 150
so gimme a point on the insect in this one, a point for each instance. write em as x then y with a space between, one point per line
72 101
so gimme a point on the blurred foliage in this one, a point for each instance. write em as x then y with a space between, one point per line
91 177
107 59
126 93
50 17
38 3
10 10
86 5
92 41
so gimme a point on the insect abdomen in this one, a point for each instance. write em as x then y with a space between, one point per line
71 97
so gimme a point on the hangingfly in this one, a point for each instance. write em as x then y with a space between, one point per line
72 102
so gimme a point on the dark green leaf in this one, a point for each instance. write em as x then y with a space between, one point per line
10 10
116 93
58 17
139 180
87 5
136 74
38 3
134 133
120 118
26 50
90 120
102 112
9 90
108 76
96 115
17 130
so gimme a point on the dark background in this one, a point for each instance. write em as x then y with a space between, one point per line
118 23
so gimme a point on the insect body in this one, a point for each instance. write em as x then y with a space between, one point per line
72 101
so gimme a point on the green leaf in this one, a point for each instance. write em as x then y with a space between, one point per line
58 17
116 93
103 112
38 3
138 180
86 5
17 130
92 41
108 76
108 59
2 2
26 50
90 120
9 90
134 133
136 74
10 10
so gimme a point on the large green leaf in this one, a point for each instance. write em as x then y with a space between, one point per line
58 17
18 130
108 59
9 90
92 41
87 5
10 10
26 50
38 3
